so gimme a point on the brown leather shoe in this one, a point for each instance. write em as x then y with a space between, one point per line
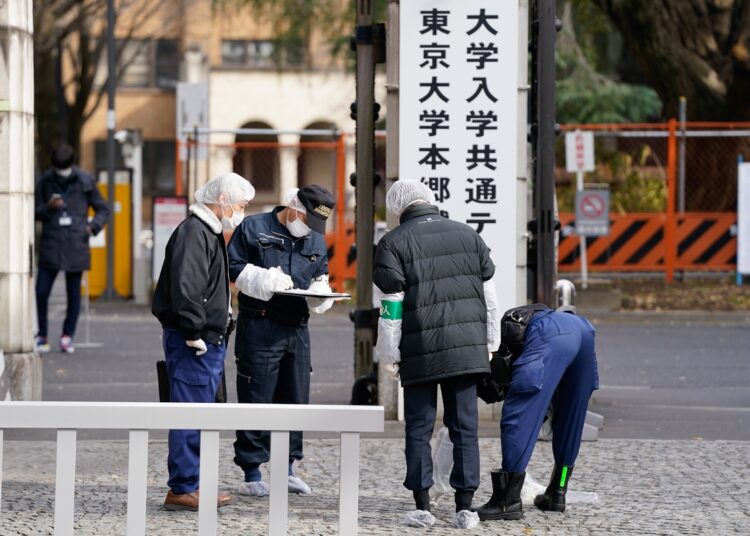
189 501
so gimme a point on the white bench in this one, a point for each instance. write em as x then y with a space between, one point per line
139 418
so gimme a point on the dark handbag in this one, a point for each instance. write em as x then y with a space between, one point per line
493 387
162 378
514 323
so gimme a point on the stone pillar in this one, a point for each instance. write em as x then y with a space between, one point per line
21 370
288 158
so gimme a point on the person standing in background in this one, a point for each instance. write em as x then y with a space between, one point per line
63 196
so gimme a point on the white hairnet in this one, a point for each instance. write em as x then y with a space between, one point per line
293 201
234 187
405 192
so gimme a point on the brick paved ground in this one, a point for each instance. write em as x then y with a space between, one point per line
645 487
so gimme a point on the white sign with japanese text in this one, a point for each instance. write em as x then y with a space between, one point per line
192 112
168 214
743 219
579 151
457 107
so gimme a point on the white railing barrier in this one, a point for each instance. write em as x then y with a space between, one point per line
139 418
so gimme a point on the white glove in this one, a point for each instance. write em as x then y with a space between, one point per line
261 283
199 345
279 280
392 369
493 316
319 305
389 329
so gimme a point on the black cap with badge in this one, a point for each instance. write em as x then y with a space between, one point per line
318 203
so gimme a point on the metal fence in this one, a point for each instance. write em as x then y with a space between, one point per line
673 197
673 189
274 161
140 418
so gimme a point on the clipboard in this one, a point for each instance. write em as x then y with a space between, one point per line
301 293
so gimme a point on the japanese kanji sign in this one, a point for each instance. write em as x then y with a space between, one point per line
458 130
579 151
743 219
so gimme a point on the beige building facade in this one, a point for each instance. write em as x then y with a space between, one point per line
254 81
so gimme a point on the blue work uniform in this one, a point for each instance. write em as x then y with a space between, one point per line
558 360
191 379
272 345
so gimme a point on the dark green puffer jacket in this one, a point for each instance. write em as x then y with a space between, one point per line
441 266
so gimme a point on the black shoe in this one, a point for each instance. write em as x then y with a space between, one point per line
505 502
553 499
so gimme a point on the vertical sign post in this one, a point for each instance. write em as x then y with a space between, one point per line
743 220
579 158
457 110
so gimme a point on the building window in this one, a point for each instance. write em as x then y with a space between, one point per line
261 54
144 64
257 158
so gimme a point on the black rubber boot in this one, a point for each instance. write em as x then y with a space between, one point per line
553 499
505 502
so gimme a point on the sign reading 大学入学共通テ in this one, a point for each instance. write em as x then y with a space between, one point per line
457 117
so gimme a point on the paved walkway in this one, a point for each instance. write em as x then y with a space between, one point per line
645 487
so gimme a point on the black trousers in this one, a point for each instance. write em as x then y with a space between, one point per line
45 278
459 416
273 366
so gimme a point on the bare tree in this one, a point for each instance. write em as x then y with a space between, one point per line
69 46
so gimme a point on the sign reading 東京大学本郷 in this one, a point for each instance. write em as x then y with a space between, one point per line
457 105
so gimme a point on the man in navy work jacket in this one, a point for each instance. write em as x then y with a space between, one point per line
439 323
557 359
192 302
271 252
62 197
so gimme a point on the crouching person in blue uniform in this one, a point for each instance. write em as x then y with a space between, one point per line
554 361
439 323
269 253
192 302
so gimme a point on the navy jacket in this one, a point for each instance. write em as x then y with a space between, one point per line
441 266
261 240
67 247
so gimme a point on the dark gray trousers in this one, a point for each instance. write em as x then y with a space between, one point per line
459 416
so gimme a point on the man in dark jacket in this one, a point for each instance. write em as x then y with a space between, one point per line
192 302
62 197
272 252
439 323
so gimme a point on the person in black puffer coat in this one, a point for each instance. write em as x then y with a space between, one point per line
62 199
439 324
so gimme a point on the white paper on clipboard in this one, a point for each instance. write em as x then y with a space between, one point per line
307 294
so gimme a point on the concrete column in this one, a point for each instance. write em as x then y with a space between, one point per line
21 371
288 156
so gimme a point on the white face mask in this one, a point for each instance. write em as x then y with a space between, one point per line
229 224
64 172
297 228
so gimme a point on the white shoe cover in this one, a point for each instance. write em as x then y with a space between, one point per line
297 485
254 489
419 518
465 520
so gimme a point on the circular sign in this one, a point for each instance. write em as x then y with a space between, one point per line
593 205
